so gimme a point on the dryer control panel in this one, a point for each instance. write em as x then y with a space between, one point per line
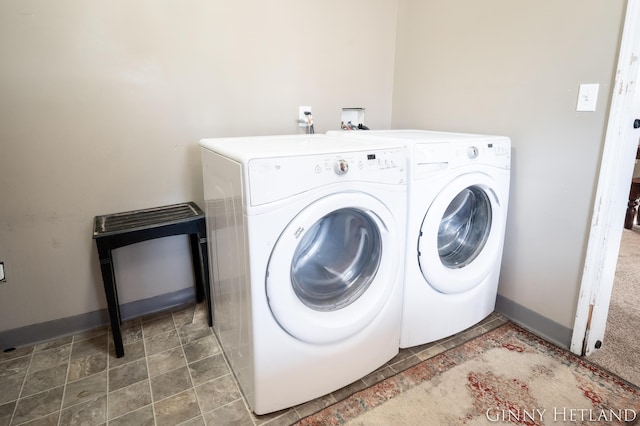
273 179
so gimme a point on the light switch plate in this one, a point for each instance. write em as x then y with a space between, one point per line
587 97
2 276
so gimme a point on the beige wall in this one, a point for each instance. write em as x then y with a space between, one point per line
102 105
514 68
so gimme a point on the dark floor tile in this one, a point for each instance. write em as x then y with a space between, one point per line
87 366
88 347
208 369
379 375
157 326
8 353
50 358
196 314
287 419
44 380
235 414
266 419
196 421
177 409
169 384
127 374
201 348
48 420
38 405
185 316
218 392
166 361
54 343
6 411
130 398
430 352
405 363
132 352
88 413
315 405
402 355
348 390
161 342
140 417
11 388
130 331
14 367
85 389
192 332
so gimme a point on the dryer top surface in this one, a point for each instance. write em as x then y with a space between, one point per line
243 149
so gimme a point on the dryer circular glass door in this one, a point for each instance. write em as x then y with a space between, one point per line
461 236
333 268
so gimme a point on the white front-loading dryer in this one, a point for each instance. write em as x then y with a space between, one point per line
458 197
306 235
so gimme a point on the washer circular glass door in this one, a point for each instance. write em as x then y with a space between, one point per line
461 235
336 260
330 274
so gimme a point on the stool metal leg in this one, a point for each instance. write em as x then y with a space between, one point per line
205 267
108 278
196 259
204 258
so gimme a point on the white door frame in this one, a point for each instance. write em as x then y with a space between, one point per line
612 193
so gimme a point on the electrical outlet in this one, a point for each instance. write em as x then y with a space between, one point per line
302 118
3 277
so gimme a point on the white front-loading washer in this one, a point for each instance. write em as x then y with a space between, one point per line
456 217
306 235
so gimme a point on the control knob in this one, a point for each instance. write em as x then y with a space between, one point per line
341 167
472 152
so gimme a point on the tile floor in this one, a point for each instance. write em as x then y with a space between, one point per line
173 373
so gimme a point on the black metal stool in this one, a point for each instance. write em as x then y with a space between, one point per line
121 229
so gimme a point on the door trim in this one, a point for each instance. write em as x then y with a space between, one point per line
611 195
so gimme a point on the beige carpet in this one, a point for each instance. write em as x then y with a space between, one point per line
620 352
504 376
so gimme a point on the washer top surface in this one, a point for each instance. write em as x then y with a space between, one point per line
427 135
413 136
243 149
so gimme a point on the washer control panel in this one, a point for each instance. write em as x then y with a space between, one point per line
492 152
273 179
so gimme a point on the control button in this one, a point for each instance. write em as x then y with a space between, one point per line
318 169
341 167
361 165
472 152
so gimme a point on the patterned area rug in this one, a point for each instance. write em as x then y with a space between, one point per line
506 376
